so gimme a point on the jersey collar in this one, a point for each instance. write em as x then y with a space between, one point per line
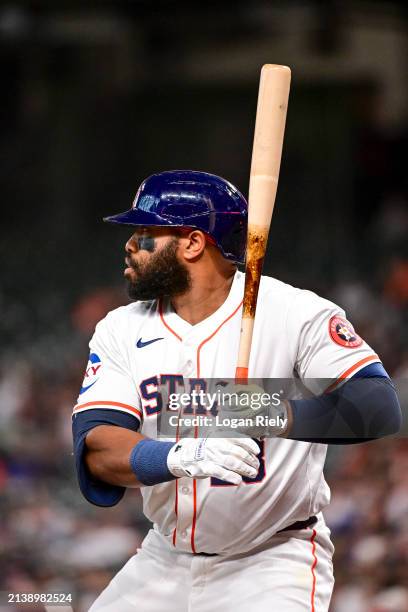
185 331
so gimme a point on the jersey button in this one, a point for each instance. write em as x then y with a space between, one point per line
185 490
184 534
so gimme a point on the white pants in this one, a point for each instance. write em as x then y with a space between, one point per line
293 572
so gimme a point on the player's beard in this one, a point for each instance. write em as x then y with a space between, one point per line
163 275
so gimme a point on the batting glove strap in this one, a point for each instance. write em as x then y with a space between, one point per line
184 455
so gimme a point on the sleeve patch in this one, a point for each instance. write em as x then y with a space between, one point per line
342 332
92 372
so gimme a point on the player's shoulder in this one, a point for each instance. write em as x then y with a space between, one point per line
303 301
271 285
132 311
120 319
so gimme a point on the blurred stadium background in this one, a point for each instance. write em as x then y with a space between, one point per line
98 95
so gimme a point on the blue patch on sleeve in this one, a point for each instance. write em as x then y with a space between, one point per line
92 372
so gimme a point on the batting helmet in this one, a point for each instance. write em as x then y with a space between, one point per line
186 198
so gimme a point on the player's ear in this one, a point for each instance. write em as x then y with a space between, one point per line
192 244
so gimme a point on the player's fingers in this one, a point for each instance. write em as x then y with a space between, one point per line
223 474
244 455
248 444
238 466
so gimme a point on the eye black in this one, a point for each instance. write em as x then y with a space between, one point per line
146 243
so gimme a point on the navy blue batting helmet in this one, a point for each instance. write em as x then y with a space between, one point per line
187 198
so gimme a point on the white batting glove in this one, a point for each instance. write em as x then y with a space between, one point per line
227 459
252 401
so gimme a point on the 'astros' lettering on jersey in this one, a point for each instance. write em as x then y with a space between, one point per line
139 347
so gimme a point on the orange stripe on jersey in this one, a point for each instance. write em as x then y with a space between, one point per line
194 516
200 346
351 370
314 563
104 404
176 498
176 513
166 324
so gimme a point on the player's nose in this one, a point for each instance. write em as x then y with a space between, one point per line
131 245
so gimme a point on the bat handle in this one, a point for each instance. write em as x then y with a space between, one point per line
241 376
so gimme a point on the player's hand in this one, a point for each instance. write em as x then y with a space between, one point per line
224 458
263 415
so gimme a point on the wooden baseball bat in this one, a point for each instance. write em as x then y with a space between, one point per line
273 98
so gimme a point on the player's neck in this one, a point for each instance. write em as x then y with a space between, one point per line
209 290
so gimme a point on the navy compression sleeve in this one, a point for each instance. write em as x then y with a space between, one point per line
96 491
366 407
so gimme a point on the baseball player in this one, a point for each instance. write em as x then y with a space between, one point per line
237 522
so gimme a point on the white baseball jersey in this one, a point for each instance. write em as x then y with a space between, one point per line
139 347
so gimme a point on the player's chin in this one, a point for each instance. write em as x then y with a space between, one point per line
137 293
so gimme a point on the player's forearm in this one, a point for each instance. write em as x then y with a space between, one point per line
107 455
